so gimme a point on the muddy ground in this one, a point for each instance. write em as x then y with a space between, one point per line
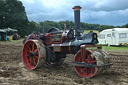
13 72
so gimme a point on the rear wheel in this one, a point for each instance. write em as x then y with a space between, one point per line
34 54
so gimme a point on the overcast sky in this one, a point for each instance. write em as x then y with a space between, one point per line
105 12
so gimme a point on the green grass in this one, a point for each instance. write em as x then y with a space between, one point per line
12 41
113 48
87 31
21 39
116 48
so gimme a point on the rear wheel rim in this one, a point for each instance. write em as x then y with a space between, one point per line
30 55
86 72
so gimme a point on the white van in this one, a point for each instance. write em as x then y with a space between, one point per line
115 36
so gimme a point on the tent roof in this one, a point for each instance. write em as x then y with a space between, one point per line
1 30
8 30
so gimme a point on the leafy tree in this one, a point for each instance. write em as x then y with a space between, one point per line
125 26
13 15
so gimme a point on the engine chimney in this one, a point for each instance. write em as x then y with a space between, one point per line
77 20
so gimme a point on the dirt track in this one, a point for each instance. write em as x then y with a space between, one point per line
13 72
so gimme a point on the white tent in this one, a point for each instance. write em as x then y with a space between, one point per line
8 30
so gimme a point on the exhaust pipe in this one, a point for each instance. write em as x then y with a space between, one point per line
77 20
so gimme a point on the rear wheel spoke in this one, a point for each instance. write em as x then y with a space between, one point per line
35 50
29 49
32 46
30 59
34 61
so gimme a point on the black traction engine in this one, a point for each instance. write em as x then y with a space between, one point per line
51 49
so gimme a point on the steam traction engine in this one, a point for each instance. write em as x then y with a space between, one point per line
51 49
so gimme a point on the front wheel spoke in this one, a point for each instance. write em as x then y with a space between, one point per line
93 58
84 69
93 61
92 68
88 57
89 70
87 60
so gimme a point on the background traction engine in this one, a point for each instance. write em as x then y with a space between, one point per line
50 49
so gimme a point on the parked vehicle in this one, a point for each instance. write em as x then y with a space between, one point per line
115 36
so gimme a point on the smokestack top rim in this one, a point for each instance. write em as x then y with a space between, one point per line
76 7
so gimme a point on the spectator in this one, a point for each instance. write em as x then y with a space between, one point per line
0 37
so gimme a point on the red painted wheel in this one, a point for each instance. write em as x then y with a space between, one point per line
33 54
86 72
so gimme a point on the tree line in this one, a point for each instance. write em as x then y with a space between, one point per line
13 15
46 25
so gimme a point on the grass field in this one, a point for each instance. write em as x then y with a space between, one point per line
21 39
113 48
87 31
116 48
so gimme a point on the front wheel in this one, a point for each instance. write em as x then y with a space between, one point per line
94 57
